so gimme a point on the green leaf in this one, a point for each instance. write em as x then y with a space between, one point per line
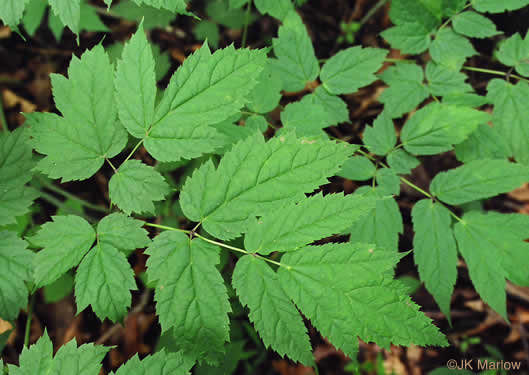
452 7
381 137
435 251
220 12
104 280
235 4
485 143
405 11
305 118
206 89
66 240
136 186
465 100
474 25
70 359
152 17
191 298
77 144
122 232
482 256
437 127
352 68
207 30
135 84
296 62
176 6
266 94
160 363
478 179
297 225
335 107
406 89
382 225
33 15
509 115
69 12
357 168
493 6
90 20
15 165
11 11
514 52
374 308
276 8
273 314
15 270
402 162
412 38
388 182
59 289
444 81
35 360
451 49
257 177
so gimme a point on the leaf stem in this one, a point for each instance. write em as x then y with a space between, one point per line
132 152
411 184
495 72
57 203
28 320
68 195
246 22
217 243
371 12
111 165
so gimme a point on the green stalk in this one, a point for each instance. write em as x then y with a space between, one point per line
246 22
68 195
28 320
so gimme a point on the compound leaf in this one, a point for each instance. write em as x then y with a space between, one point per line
388 182
122 232
77 144
65 240
266 95
276 8
206 89
444 81
357 168
509 115
514 52
406 89
256 177
104 280
411 37
136 85
427 13
382 225
352 68
335 107
296 62
435 250
478 179
177 6
493 6
160 363
69 12
15 270
136 186
373 307
485 143
11 11
380 138
474 25
70 359
297 225
451 49
305 118
15 164
273 314
191 298
402 162
437 127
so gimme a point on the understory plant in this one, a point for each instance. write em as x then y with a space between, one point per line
253 186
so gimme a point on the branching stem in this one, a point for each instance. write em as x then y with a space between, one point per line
246 23
28 320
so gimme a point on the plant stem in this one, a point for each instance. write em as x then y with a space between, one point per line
68 195
3 120
412 185
371 12
111 165
246 22
217 243
132 152
28 320
57 203
495 72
